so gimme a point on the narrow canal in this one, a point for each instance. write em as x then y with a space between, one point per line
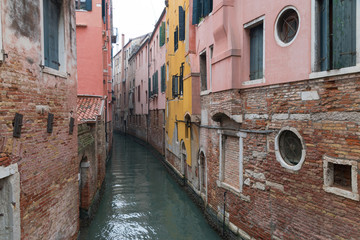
142 201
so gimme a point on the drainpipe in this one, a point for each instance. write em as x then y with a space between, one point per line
223 230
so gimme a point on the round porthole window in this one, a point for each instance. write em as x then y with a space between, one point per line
289 149
287 26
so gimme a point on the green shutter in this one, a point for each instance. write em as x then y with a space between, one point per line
162 34
208 7
163 84
256 52
324 35
344 33
181 24
149 90
176 38
103 10
51 33
88 5
157 81
195 16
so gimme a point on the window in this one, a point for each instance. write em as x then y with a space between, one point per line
181 24
340 177
83 5
201 8
289 148
10 202
175 86
231 160
149 87
181 79
163 84
335 34
203 72
155 79
176 38
139 93
256 52
54 46
162 34
287 26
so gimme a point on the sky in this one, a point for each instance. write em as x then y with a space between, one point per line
135 18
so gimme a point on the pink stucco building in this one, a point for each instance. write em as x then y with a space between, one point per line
95 97
279 102
140 86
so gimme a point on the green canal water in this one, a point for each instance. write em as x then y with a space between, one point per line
142 201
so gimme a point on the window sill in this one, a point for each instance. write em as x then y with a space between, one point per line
254 82
233 190
54 72
206 92
342 192
335 72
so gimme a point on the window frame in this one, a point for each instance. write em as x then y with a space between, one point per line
315 45
328 179
61 44
220 181
278 155
248 26
276 33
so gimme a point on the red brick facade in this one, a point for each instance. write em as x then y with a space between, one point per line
46 162
149 128
276 202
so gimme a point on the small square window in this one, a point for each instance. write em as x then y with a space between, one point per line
340 177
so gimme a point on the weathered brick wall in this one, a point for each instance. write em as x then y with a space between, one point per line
277 202
156 130
47 162
152 133
88 165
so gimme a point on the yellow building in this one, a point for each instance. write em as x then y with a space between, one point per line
183 93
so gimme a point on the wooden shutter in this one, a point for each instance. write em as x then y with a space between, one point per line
344 33
208 7
181 24
176 38
157 82
162 34
175 86
103 10
149 90
324 35
181 79
88 5
51 33
163 85
256 52
195 16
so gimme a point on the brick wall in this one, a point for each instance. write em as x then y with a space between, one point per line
277 202
47 162
156 130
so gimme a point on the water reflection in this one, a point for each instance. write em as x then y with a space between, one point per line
141 201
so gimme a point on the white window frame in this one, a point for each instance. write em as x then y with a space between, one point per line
221 179
11 173
314 45
248 26
279 158
329 178
62 45
276 34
